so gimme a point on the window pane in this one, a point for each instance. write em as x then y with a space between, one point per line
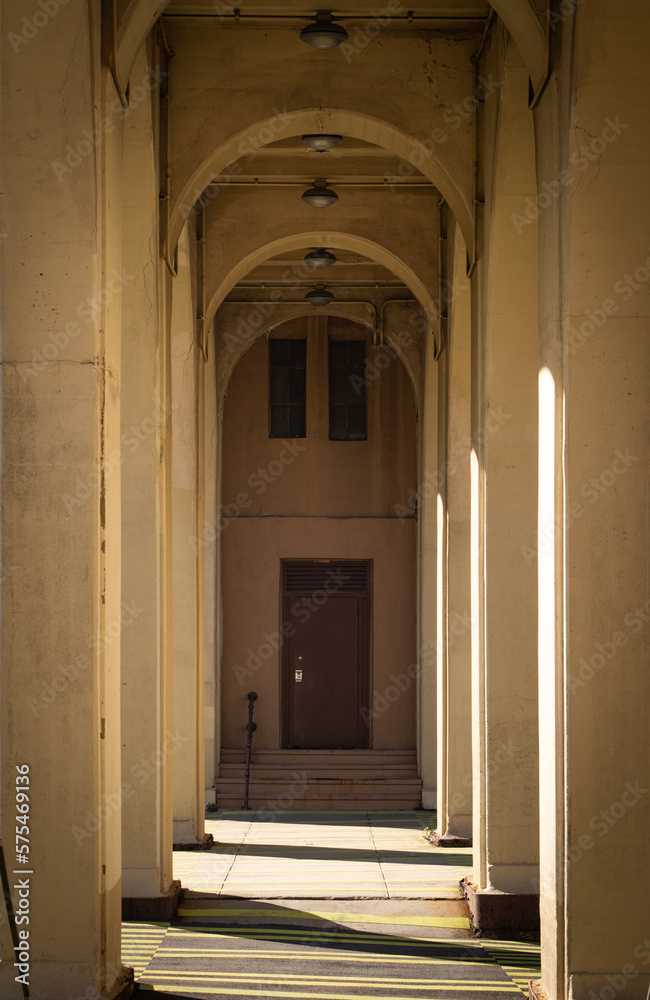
278 352
338 352
338 423
297 422
297 385
356 352
338 385
357 422
279 383
297 353
278 428
356 385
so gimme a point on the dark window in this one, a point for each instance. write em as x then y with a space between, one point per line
287 388
347 378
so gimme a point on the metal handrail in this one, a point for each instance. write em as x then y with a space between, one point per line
250 729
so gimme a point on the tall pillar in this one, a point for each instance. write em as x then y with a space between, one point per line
188 504
454 732
594 563
506 871
148 740
428 624
208 541
61 614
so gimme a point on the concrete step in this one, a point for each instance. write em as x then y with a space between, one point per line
237 755
337 804
342 772
310 793
313 779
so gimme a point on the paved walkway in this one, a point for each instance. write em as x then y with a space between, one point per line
336 906
349 855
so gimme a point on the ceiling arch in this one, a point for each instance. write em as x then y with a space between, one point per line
519 16
347 123
336 241
228 361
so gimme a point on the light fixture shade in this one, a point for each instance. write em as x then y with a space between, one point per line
324 33
320 141
319 296
320 196
320 257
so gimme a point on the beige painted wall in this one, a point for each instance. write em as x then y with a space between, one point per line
342 500
327 478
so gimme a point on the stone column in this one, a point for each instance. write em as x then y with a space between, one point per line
454 737
61 614
506 869
148 739
594 565
208 540
428 623
188 504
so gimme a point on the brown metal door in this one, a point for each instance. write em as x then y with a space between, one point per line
326 654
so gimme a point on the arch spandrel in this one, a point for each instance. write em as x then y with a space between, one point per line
521 18
229 354
420 281
337 241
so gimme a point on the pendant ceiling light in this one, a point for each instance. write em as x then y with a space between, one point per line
319 296
323 34
320 196
321 142
320 257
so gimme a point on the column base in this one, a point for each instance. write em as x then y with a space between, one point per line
502 914
152 908
196 845
448 840
536 991
125 988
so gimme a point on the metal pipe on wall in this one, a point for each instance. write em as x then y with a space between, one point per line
166 196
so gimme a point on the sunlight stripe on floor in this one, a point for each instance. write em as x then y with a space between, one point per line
312 980
432 992
332 954
349 918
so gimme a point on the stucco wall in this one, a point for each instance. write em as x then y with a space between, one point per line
315 498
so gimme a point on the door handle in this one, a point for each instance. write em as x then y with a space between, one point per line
298 676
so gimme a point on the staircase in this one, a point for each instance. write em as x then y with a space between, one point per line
320 779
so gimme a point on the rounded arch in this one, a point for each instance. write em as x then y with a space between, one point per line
519 16
349 123
227 363
337 241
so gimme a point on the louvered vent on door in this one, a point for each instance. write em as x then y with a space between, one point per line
334 577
